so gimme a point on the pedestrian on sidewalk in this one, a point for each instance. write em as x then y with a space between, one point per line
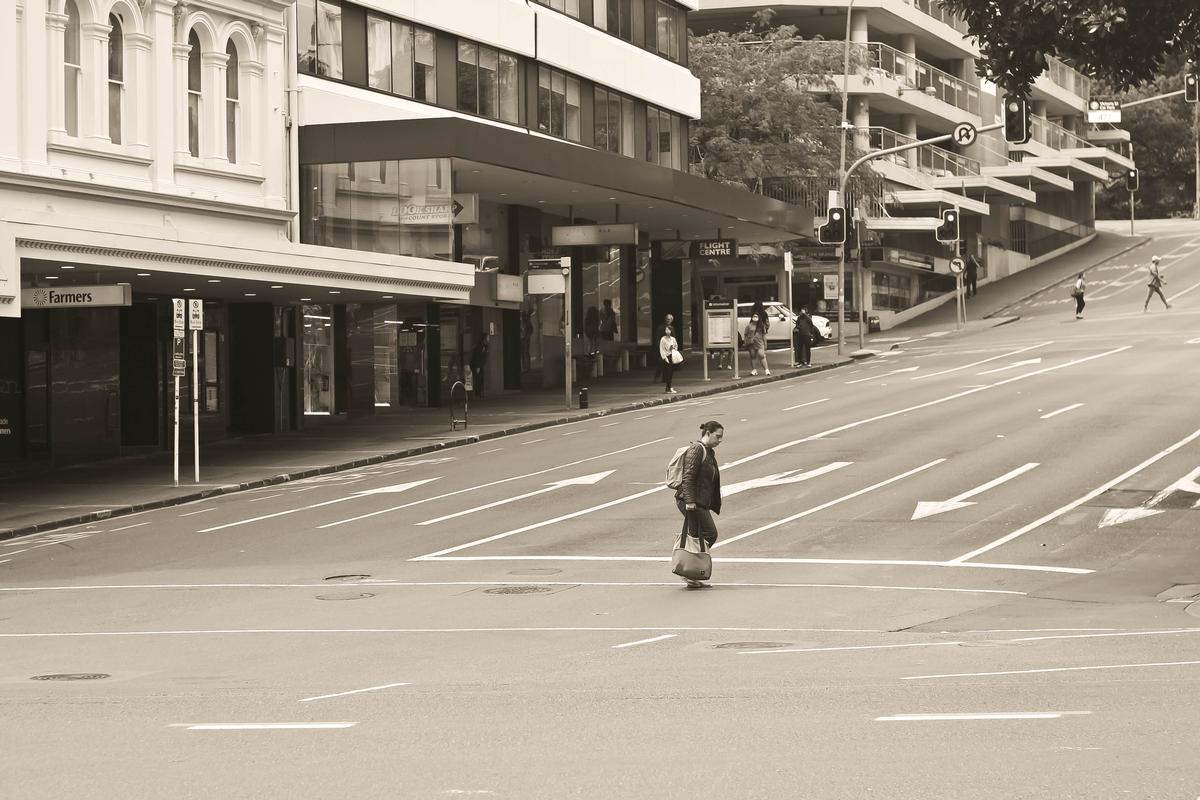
1077 293
755 339
669 356
699 494
803 336
668 322
479 357
763 317
972 275
1155 285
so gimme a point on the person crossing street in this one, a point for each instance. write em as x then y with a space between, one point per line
699 494
1155 285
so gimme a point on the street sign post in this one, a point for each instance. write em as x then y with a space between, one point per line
195 323
957 265
1103 110
178 322
965 134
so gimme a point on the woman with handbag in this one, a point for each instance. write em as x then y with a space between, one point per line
756 342
699 494
668 353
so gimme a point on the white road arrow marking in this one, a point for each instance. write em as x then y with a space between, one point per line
399 487
929 508
783 478
1116 516
884 375
583 480
1013 365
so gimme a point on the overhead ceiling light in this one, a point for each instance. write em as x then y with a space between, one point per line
66 266
335 291
251 294
649 206
305 299
504 194
541 202
315 316
143 274
124 283
386 297
51 277
189 290
612 198
214 280
277 286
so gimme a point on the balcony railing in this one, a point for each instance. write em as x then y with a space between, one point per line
934 9
813 192
1069 78
911 71
931 159
1054 135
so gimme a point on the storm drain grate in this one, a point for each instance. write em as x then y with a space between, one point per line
70 676
517 590
347 578
749 645
345 596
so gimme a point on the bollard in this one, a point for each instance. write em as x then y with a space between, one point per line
583 397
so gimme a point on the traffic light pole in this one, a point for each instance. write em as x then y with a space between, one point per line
842 189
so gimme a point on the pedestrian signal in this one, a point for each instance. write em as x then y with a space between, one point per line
1191 87
1017 122
834 229
1131 180
948 231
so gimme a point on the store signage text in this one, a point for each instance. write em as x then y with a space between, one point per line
714 248
77 297
577 235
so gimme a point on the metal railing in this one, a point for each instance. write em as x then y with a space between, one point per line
1036 241
913 72
813 192
934 9
1054 135
1069 78
931 159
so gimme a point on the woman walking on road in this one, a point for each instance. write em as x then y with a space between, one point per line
667 348
1077 293
699 495
1155 285
755 339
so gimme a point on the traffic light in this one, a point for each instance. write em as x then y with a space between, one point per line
834 229
1131 180
1191 87
947 232
1017 123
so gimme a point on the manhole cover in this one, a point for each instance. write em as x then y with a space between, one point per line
70 676
517 590
536 571
345 596
347 578
749 645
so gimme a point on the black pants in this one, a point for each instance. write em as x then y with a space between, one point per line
668 371
972 288
1078 304
702 519
803 346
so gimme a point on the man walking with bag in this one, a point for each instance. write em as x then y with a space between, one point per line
699 493
1155 285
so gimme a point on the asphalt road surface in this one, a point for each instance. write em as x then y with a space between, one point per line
963 569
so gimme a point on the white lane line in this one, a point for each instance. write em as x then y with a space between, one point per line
645 641
1049 669
1062 410
646 416
266 497
834 561
927 508
355 496
494 450
848 648
326 631
127 527
352 691
1171 299
883 375
984 361
201 511
980 716
583 480
609 424
261 726
385 583
809 403
1023 363
572 433
531 441
496 482
1099 490
5 560
824 506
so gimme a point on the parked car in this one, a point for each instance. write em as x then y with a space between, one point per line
782 320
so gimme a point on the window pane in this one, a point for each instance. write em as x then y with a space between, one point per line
329 39
509 92
231 72
600 116
468 77
115 92
71 35
614 123
652 134
306 36
193 63
600 14
231 125
613 25
402 59
663 30
194 123
424 71
573 8
116 50
572 123
627 122
557 103
676 144
488 84
543 112
379 53
626 15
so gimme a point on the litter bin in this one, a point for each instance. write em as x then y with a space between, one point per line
873 324
583 397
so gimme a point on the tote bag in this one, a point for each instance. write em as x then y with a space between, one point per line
691 559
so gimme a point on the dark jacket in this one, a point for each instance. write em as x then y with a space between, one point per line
701 478
805 327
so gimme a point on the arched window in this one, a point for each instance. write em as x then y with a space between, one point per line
194 96
232 80
116 77
71 70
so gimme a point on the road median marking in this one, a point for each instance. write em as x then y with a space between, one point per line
353 691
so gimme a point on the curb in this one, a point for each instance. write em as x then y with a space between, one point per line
191 497
1052 284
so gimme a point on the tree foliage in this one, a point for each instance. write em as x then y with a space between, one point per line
760 115
1123 42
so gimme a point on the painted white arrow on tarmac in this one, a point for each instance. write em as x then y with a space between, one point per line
884 375
1116 516
929 508
394 488
582 480
783 478
399 487
1027 362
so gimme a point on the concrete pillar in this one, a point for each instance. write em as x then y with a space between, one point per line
161 81
179 101
908 45
93 85
908 126
860 118
213 143
10 90
139 88
859 31
51 48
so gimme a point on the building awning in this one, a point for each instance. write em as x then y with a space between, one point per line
1072 168
983 185
1030 177
938 199
1109 159
520 168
